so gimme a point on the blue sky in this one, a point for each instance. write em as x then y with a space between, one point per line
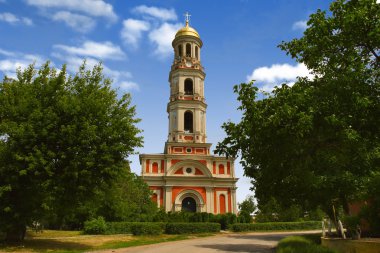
133 40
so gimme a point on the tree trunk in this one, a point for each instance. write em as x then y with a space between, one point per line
16 233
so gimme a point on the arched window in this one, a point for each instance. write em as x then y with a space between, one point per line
188 50
222 204
189 87
196 52
221 169
180 50
188 122
155 167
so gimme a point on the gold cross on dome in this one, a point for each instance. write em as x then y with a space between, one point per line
187 18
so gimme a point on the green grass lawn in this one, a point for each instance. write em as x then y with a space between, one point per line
73 241
302 244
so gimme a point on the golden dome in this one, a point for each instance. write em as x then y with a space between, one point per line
187 31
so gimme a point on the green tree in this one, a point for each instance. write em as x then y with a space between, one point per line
316 144
64 139
246 208
129 200
248 205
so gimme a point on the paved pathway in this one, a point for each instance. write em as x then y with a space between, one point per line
249 242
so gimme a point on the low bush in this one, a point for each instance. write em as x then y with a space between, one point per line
147 228
225 220
268 226
119 227
96 226
136 228
192 228
300 244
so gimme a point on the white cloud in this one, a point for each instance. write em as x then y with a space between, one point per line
300 25
127 85
7 53
95 8
132 31
12 19
10 61
102 51
162 37
120 78
78 22
155 12
268 77
27 21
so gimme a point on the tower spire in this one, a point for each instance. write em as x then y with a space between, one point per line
187 18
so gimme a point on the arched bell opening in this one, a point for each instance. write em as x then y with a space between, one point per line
189 87
188 50
188 122
180 52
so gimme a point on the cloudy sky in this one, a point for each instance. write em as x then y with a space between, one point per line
133 40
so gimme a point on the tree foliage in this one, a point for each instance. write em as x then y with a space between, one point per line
248 205
316 144
64 139
246 208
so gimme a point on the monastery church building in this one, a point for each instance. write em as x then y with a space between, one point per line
186 177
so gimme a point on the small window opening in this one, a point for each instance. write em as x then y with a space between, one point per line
188 122
188 50
189 87
196 52
180 50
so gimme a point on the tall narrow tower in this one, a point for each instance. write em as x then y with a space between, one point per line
186 177
187 107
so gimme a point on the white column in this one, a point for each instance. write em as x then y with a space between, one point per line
168 199
209 200
233 200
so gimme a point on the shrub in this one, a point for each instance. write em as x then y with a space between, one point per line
245 217
305 225
179 216
119 228
136 228
95 226
225 220
300 244
160 216
147 228
192 228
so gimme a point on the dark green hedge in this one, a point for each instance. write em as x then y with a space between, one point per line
136 228
147 228
304 225
192 228
119 227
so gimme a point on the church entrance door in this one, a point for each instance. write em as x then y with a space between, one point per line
189 205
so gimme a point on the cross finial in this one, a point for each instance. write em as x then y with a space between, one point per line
187 18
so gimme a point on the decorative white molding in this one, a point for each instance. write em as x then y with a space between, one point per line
193 194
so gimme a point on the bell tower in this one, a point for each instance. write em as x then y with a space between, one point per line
186 107
186 177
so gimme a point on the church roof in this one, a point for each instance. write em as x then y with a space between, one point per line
187 31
